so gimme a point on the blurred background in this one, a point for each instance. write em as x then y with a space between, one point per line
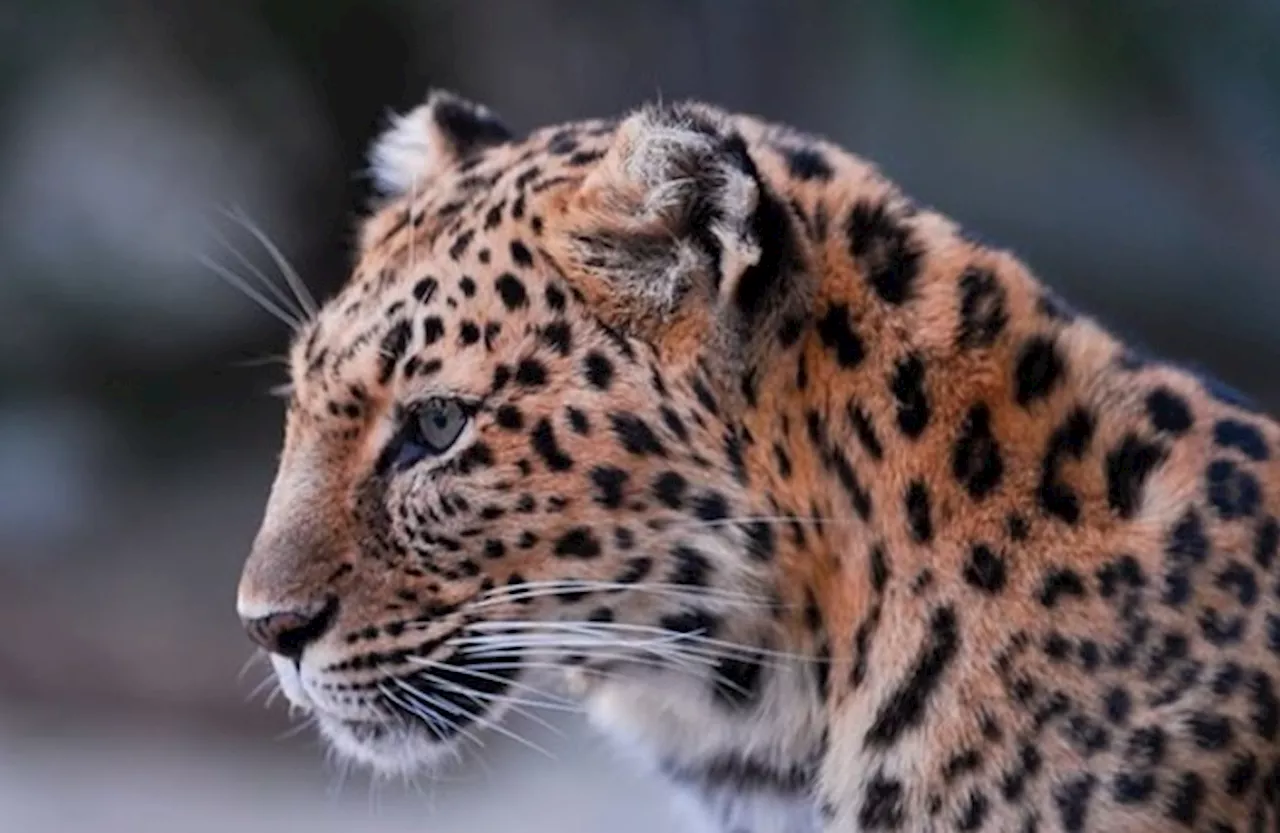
1130 151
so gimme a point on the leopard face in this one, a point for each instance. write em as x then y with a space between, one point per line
500 459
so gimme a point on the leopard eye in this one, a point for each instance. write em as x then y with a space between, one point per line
430 429
439 423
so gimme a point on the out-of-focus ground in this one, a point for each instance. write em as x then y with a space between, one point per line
137 776
1130 152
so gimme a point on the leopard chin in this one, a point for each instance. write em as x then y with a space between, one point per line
391 747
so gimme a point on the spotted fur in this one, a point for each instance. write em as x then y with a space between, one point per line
828 512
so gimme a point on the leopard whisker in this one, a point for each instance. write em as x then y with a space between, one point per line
702 641
494 678
296 284
283 298
479 719
250 292
531 590
433 718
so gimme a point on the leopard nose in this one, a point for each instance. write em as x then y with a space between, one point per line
289 632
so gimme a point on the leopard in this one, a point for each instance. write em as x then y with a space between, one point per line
823 510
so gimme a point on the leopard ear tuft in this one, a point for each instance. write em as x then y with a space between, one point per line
418 145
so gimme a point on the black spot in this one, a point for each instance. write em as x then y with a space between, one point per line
879 568
710 507
882 804
837 334
760 540
692 567
432 330
1240 579
904 709
391 350
782 460
737 681
674 424
669 488
866 432
1188 794
919 517
520 254
543 441
577 420
1059 582
1266 542
1246 438
578 542
1133 788
491 330
609 482
425 289
636 569
907 385
1235 493
807 163
694 622
983 313
468 333
975 458
961 763
1122 570
558 337
1241 775
1128 468
635 435
1227 679
974 812
598 370
555 299
531 373
1057 647
705 399
1072 799
1039 369
859 497
512 291
1188 541
1266 707
883 247
1210 731
493 217
1168 412
733 453
985 569
459 246
1146 746
1070 440
1118 704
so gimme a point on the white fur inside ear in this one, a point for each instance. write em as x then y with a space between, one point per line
404 153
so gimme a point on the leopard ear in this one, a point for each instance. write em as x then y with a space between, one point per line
677 206
425 141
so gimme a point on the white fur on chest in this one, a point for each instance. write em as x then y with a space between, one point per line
669 722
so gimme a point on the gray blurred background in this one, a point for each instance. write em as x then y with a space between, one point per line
1130 151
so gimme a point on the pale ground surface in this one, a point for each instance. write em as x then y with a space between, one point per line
58 778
